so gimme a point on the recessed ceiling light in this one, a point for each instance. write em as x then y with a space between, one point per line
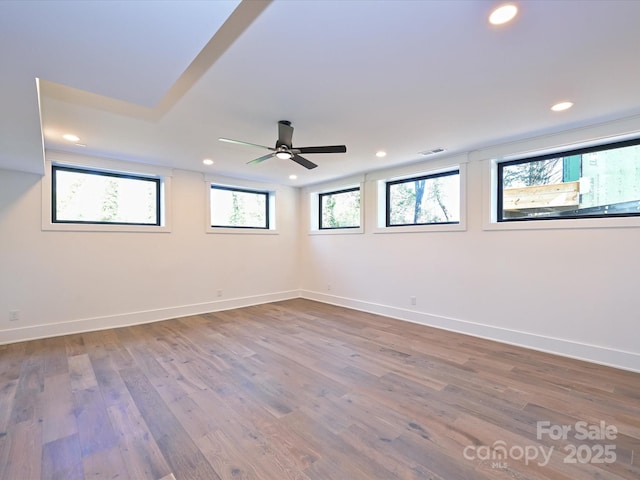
70 137
207 161
381 153
559 107
81 144
293 177
503 14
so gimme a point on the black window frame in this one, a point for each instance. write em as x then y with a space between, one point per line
267 196
390 183
571 214
91 171
336 192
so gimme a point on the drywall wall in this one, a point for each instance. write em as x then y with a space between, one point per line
66 281
566 290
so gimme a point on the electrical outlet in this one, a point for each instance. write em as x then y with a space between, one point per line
14 315
413 300
328 287
219 293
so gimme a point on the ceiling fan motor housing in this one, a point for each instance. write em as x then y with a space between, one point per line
286 133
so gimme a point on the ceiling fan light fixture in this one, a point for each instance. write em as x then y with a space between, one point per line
284 155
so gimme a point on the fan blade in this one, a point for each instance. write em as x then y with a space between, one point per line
238 142
304 162
261 159
327 149
285 133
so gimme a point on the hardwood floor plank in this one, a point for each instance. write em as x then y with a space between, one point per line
55 357
247 421
343 456
27 395
145 359
58 414
376 447
74 345
140 453
61 460
81 373
7 399
91 415
196 421
105 465
228 458
24 446
180 452
107 374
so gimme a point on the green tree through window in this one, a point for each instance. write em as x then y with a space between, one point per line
90 196
340 209
424 200
238 208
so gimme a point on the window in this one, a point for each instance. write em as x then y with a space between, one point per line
602 181
426 200
339 209
85 196
238 208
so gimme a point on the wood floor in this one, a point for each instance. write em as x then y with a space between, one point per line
303 390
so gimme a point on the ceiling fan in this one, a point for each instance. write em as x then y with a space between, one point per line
284 148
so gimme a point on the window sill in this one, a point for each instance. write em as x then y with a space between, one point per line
338 231
81 227
241 231
449 227
559 224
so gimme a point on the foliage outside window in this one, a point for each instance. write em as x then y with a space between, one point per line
339 209
599 181
425 200
238 208
85 196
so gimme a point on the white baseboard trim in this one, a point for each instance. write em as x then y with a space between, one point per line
566 348
35 332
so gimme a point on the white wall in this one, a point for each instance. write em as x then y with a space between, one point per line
63 282
572 291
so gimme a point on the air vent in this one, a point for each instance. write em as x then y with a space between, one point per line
432 152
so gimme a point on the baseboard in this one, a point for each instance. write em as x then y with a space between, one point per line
566 348
35 332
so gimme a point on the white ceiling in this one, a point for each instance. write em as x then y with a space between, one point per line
158 82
